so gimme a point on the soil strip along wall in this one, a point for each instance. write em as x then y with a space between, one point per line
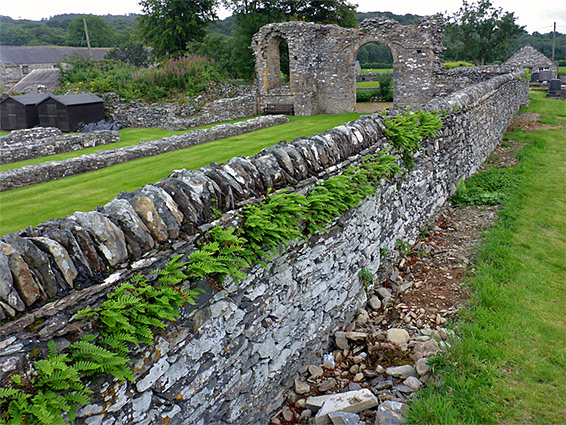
230 358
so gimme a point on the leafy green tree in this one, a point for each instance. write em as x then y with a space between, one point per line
251 15
481 32
131 52
170 25
339 12
99 32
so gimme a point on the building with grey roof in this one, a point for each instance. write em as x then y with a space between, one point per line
18 61
529 57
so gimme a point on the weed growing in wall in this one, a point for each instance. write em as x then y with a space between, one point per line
366 276
407 130
52 389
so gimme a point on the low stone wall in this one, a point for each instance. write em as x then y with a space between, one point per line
370 76
457 79
230 358
53 170
31 143
218 111
223 103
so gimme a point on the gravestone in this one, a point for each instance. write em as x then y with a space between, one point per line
534 77
545 75
563 79
554 90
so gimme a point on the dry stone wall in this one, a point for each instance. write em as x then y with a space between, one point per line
31 143
222 103
53 170
230 358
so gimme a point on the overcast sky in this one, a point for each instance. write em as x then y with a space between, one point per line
532 14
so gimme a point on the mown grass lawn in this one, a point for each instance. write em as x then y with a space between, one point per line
367 84
128 137
509 365
31 205
371 71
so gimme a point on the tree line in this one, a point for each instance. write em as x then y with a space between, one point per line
478 32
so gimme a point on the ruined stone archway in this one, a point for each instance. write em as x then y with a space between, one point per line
322 57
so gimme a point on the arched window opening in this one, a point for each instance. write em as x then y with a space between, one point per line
278 69
284 60
374 77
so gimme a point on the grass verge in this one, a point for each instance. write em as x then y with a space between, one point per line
31 205
367 84
128 137
509 364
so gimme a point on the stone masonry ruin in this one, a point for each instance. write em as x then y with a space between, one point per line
322 77
231 358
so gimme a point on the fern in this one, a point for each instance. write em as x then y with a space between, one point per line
407 130
54 387
93 359
274 222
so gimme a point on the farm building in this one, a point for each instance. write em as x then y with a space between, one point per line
18 112
18 61
68 112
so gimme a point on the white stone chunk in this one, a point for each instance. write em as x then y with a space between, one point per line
351 401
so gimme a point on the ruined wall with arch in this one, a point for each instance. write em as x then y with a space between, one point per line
231 358
322 60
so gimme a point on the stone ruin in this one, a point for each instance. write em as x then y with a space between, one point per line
322 76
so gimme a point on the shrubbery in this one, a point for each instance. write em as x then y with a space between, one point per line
183 76
376 65
384 91
456 64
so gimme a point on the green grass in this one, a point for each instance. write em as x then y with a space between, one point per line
371 71
128 137
367 84
562 69
31 205
509 366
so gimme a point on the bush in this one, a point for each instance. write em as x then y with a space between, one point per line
456 64
183 76
376 65
385 91
365 95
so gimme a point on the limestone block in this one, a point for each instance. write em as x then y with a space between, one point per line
110 237
350 401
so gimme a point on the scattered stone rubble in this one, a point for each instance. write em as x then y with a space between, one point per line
220 102
381 358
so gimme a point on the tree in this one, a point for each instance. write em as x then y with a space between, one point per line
131 52
169 25
99 32
482 32
251 15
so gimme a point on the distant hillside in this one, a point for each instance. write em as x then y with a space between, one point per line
53 31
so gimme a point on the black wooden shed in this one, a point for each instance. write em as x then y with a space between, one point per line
69 111
20 111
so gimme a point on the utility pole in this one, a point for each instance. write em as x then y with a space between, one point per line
90 50
553 40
